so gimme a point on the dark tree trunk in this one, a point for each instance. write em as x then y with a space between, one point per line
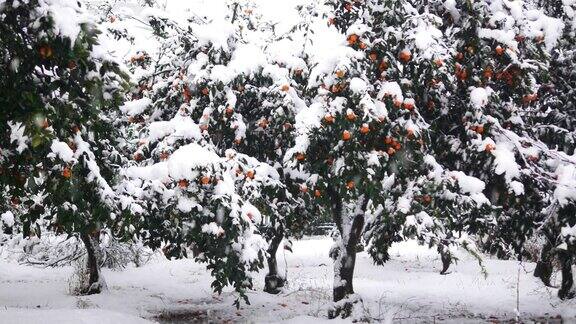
566 289
544 267
446 258
95 282
344 254
273 281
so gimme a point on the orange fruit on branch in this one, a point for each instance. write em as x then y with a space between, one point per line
352 39
205 180
350 115
346 135
350 185
405 56
45 52
183 184
67 173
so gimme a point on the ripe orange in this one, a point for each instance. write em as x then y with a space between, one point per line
488 73
205 180
499 50
45 52
183 183
388 140
480 129
340 73
350 185
391 151
373 56
300 157
365 129
329 119
352 39
438 62
250 174
363 45
461 73
303 188
383 66
408 105
489 148
285 88
205 91
427 199
67 173
405 56
351 116
529 98
317 193
346 135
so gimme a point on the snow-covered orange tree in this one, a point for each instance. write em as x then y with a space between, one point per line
216 91
60 95
365 145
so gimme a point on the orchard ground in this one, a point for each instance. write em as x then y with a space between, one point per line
408 289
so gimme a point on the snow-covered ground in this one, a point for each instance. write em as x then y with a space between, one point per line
407 289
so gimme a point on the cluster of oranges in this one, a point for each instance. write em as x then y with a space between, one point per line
392 144
354 40
304 189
